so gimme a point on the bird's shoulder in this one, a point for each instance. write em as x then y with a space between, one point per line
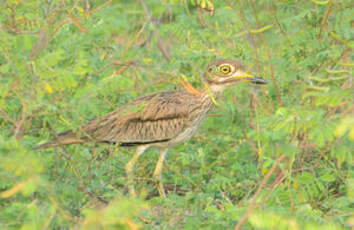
163 105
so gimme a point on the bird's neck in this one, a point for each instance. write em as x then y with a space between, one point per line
217 90
210 95
214 90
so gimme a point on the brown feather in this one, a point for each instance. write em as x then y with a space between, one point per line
155 118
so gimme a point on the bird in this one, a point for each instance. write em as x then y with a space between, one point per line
160 120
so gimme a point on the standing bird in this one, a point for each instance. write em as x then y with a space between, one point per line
160 120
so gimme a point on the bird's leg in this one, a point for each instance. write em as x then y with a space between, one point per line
158 171
129 169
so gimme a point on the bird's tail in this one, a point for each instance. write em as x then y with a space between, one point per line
65 138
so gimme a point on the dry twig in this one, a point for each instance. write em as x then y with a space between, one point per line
260 187
160 43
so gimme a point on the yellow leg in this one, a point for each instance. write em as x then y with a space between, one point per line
158 171
129 169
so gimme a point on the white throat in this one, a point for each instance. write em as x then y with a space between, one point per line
217 88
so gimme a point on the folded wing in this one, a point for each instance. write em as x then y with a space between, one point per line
151 119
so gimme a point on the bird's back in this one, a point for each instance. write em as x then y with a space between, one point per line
164 118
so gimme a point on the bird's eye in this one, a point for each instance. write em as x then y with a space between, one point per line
225 69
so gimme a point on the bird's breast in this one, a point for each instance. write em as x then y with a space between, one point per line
196 117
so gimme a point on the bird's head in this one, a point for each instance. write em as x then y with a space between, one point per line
224 72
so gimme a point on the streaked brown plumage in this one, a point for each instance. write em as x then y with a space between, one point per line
161 119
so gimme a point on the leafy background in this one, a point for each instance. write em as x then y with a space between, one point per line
275 157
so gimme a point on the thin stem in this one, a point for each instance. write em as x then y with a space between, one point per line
325 17
268 54
260 187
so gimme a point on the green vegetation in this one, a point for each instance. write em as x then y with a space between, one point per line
281 154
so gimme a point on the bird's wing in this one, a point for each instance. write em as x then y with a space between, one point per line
154 118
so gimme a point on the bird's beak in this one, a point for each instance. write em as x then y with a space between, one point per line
258 81
251 78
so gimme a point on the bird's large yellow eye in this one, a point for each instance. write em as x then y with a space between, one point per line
225 69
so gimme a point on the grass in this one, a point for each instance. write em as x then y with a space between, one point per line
273 157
